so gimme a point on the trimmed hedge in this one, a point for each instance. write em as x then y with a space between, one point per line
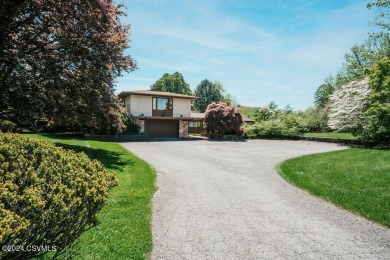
48 195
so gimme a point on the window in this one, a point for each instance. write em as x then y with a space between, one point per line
196 127
163 104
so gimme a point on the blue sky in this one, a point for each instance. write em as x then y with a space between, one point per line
260 51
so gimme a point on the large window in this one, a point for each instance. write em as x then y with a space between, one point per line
164 104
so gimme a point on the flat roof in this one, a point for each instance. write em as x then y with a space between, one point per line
156 93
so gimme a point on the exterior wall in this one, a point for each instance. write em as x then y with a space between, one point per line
127 104
181 107
137 105
141 105
183 129
141 124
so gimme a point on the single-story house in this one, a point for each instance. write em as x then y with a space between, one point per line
163 114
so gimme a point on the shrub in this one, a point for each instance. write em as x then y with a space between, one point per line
48 195
7 126
288 127
221 119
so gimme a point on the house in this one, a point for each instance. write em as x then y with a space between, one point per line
159 113
164 114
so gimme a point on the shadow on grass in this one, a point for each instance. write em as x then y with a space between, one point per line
110 159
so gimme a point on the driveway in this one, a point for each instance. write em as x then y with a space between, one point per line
224 200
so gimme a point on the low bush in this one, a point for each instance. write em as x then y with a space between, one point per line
289 127
7 126
48 195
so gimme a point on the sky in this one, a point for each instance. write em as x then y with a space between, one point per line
259 50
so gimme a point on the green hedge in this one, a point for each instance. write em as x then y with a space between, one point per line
7 126
276 129
48 195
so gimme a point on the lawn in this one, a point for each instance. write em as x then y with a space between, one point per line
333 135
124 231
356 179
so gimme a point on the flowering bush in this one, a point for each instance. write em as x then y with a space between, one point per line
348 106
48 195
222 119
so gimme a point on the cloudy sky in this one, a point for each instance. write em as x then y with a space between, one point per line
259 50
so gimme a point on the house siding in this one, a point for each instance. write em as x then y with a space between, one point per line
181 107
140 105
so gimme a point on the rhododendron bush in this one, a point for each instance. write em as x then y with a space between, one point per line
222 119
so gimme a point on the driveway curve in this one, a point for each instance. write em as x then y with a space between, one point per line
224 200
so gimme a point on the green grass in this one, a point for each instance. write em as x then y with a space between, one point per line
347 136
124 231
356 179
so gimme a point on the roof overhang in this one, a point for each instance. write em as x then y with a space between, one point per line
155 93
166 118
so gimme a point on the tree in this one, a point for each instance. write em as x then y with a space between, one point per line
322 94
316 118
174 83
377 125
209 92
264 114
382 20
348 106
59 61
221 119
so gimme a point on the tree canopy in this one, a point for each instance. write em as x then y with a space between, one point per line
174 83
58 63
377 125
209 92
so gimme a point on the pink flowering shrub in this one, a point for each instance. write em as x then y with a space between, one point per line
222 119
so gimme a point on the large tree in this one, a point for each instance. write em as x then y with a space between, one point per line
377 126
209 92
174 83
58 63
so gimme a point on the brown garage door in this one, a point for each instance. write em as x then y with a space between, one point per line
162 128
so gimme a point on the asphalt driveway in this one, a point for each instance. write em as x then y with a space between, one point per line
224 200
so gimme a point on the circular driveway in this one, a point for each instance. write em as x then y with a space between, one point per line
224 200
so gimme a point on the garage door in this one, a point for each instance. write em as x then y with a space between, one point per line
162 128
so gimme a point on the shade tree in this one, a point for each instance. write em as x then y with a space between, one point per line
174 83
59 61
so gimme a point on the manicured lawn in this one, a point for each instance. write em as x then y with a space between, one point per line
125 221
332 135
356 179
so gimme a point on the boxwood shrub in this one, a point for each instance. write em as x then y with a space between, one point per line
48 195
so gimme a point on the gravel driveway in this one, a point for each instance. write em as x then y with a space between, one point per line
224 200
